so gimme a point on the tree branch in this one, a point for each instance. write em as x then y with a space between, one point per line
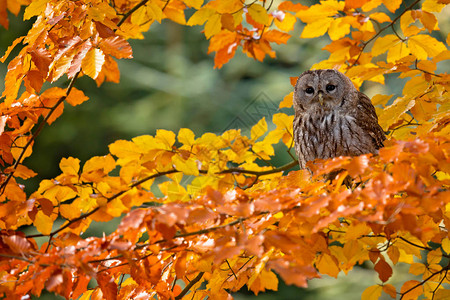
381 30
36 133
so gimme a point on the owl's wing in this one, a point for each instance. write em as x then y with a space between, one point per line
367 119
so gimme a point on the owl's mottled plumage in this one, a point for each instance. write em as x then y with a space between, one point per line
332 118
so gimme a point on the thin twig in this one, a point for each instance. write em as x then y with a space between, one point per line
189 285
125 16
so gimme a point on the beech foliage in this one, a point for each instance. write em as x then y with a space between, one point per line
230 226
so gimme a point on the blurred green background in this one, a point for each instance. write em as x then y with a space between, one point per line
171 84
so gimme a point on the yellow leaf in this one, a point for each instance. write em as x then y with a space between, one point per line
258 13
432 6
258 129
269 280
392 5
397 52
188 167
93 62
423 46
321 11
327 265
372 292
287 23
434 257
105 163
262 148
167 137
379 99
125 150
371 5
70 166
186 136
384 43
380 17
200 16
317 28
76 97
393 112
18 145
139 16
213 25
442 294
193 3
446 241
43 223
154 11
35 8
287 100
415 86
115 208
338 29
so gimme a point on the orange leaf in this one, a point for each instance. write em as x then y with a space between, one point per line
392 5
276 36
327 264
411 289
351 4
390 290
117 47
372 292
76 97
10 48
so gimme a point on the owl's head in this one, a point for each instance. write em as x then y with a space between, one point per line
322 90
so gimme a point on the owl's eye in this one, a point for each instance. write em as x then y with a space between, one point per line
330 87
309 90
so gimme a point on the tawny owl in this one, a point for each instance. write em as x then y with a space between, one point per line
332 118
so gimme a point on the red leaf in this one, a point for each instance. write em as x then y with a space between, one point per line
383 269
46 206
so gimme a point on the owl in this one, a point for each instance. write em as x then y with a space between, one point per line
332 118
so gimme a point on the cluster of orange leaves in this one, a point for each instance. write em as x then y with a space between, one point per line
228 226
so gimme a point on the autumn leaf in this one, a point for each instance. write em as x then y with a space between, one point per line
93 62
372 292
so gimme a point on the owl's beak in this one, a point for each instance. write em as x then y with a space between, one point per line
321 97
